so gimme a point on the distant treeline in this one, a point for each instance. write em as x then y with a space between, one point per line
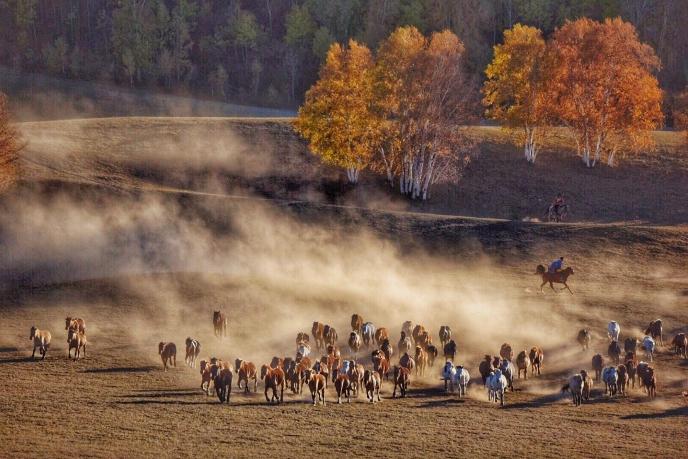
267 52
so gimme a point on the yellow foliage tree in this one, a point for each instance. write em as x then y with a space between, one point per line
603 87
426 97
515 89
338 117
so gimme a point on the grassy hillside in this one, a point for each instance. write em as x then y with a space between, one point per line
144 226
264 157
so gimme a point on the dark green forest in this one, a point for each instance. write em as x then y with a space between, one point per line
267 52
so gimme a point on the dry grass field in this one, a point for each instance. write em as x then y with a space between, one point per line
143 227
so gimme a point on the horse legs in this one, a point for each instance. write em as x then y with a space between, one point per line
567 286
542 285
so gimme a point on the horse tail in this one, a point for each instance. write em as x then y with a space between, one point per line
540 269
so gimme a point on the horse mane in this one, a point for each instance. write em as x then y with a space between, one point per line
540 269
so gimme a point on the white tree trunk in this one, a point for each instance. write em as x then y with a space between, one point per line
530 146
352 175
388 167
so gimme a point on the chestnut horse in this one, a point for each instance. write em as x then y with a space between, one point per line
219 323
246 371
558 277
274 378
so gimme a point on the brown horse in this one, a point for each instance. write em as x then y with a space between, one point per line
318 334
421 360
680 343
343 387
506 352
75 323
317 382
273 378
246 371
380 364
406 361
655 331
168 353
536 358
418 330
559 277
219 323
357 324
402 378
330 335
381 335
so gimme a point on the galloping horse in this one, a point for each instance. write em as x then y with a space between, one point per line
558 277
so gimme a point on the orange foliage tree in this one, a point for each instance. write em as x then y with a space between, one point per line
603 87
9 145
425 96
515 89
338 117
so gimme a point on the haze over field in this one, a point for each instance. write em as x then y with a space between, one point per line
283 167
145 247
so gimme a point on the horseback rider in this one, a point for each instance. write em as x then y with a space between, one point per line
556 265
558 203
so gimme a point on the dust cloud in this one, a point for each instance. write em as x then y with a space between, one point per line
167 261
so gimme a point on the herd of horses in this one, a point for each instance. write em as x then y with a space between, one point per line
415 354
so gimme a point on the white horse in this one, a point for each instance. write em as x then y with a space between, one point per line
461 378
448 375
368 334
649 347
610 377
304 349
496 386
508 371
613 330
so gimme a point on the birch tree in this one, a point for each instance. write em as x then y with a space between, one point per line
604 88
515 89
338 118
427 97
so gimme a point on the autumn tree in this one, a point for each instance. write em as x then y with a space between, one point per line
338 118
515 89
9 145
603 87
426 97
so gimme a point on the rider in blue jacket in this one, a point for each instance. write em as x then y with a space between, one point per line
556 265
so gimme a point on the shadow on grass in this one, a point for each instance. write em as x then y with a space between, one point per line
19 360
8 349
679 411
442 402
168 402
143 369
